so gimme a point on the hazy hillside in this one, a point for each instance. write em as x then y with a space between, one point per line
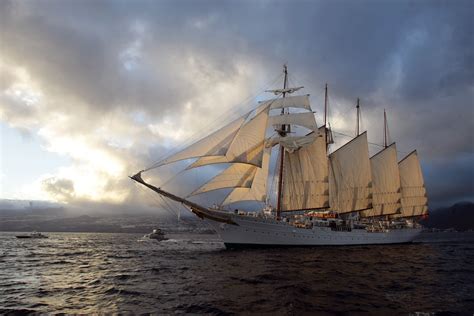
460 216
18 215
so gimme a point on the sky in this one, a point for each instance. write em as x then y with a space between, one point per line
93 91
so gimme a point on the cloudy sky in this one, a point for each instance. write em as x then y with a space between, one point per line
92 91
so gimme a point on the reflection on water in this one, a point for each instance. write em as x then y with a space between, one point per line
84 273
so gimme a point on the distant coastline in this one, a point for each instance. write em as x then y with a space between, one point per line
458 217
59 220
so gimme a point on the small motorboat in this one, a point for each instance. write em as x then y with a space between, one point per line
33 235
156 234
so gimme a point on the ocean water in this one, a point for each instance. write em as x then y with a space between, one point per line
194 274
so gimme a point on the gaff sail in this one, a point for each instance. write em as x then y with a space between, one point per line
413 200
350 179
385 183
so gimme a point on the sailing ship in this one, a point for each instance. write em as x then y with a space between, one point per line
343 197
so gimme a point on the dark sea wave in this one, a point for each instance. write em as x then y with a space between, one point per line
194 274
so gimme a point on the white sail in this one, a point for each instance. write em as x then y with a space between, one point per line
253 156
258 189
306 176
247 145
350 177
385 183
414 201
249 138
299 101
237 175
292 143
208 160
302 119
213 145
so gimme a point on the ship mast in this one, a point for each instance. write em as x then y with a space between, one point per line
358 118
282 150
328 135
325 104
326 115
384 129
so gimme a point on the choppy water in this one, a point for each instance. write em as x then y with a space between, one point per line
84 273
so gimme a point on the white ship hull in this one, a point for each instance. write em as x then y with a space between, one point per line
257 231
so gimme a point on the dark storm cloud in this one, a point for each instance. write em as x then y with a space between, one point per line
413 57
78 60
446 182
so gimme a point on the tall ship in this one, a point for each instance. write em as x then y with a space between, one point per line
321 196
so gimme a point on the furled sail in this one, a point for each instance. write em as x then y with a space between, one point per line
306 176
350 178
292 143
298 101
258 189
237 175
385 183
305 119
285 90
414 201
215 144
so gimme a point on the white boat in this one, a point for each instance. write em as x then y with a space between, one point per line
33 235
156 234
323 197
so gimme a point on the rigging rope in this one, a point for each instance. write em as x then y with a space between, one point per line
173 177
154 197
370 143
315 97
361 121
169 206
221 118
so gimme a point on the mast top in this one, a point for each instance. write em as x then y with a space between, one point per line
358 118
385 129
325 104
285 89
